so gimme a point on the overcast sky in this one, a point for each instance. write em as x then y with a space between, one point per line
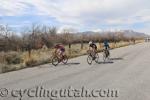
81 15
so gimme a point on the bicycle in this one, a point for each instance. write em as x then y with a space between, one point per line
57 59
92 56
106 55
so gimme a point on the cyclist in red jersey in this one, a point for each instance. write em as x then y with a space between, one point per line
60 50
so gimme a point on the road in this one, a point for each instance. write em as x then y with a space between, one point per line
126 75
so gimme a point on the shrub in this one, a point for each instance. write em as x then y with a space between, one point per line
13 58
31 62
7 68
2 59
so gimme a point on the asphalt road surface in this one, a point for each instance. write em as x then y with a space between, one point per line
125 77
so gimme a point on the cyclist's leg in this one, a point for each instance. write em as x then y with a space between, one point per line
107 51
59 53
95 50
91 50
93 53
62 52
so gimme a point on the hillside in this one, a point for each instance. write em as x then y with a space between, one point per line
126 33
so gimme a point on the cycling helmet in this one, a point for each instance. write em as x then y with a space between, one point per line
90 42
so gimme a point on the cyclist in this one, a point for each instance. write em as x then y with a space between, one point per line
93 48
106 46
60 50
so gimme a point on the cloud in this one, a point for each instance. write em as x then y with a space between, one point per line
83 14
97 30
11 7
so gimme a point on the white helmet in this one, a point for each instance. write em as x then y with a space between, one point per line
90 42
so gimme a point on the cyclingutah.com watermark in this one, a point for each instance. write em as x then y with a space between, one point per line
52 94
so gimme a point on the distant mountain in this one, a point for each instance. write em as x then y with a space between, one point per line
131 33
127 33
89 32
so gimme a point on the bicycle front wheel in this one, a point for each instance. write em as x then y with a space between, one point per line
89 59
65 59
96 58
104 56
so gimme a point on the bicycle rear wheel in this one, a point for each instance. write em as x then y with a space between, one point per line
55 61
104 56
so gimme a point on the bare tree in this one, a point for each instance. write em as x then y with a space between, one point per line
68 37
5 34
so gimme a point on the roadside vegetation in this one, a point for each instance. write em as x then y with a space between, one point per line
35 45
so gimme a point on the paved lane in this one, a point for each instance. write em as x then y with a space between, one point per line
127 75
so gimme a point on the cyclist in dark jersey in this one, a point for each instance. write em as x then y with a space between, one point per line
92 45
93 48
106 46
